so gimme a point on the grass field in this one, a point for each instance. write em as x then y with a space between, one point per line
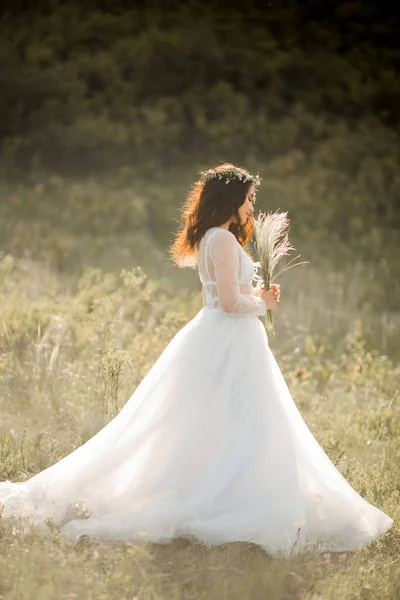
73 351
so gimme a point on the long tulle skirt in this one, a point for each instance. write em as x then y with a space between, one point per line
210 446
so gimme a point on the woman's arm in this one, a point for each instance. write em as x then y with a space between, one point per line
225 258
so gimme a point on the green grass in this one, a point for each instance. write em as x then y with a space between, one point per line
73 351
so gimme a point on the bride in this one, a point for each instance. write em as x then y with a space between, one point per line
210 445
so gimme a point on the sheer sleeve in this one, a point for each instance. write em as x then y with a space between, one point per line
225 257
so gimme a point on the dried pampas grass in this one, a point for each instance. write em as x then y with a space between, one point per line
272 244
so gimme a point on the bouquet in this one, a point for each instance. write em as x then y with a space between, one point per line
272 243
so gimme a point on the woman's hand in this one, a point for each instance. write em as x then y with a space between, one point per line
271 296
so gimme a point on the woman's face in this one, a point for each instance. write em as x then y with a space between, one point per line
247 207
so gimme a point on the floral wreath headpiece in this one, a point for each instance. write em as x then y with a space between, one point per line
230 175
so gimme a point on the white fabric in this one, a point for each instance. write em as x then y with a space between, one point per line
226 272
210 445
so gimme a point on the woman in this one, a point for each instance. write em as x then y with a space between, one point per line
210 445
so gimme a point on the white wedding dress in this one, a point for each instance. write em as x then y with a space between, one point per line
210 445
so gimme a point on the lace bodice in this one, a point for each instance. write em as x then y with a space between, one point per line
226 272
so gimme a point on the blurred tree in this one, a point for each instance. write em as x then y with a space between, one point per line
310 90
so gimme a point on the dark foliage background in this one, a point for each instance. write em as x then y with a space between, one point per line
108 111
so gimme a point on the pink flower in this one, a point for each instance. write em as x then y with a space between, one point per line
327 557
342 555
302 591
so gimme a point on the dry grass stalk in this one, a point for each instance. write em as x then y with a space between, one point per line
272 244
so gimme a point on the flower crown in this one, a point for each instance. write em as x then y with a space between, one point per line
230 175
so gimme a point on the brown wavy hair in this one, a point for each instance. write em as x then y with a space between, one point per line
210 202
